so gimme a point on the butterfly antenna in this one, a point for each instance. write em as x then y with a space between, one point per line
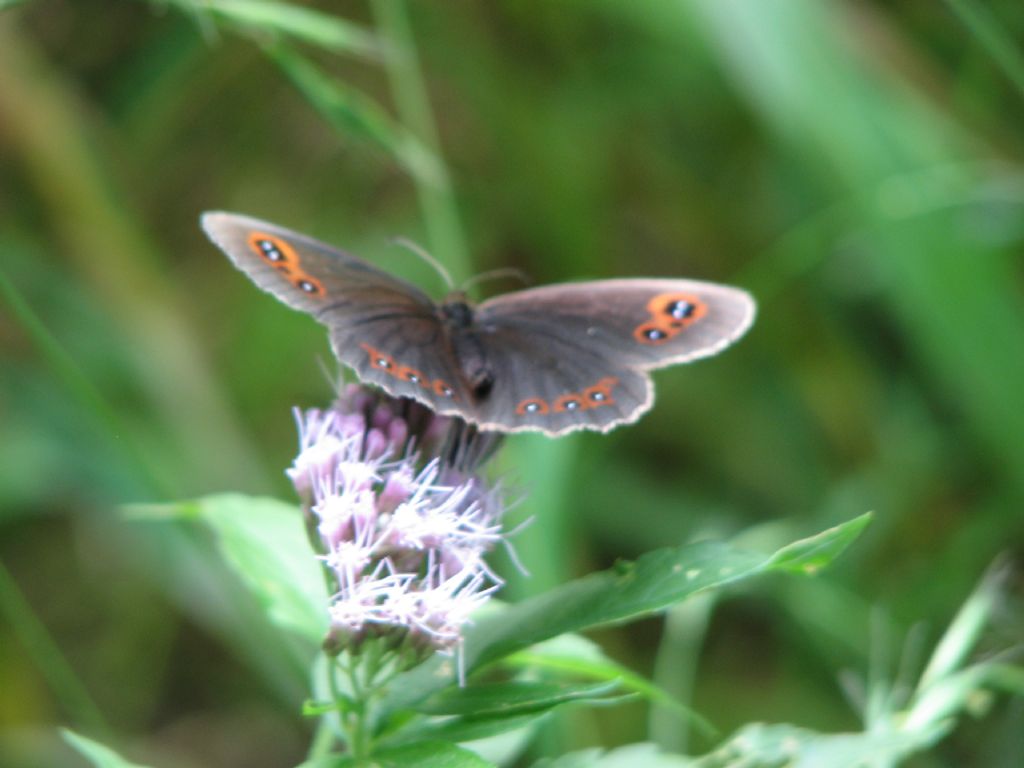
335 379
518 274
422 253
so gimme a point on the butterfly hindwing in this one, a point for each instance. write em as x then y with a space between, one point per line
405 354
542 382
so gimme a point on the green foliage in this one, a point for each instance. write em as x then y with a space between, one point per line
427 708
264 543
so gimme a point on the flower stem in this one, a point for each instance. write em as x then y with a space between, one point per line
356 719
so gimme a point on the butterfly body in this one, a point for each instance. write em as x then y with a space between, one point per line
552 359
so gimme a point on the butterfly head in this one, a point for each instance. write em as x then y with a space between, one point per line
457 310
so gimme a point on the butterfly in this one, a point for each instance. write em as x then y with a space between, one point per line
550 359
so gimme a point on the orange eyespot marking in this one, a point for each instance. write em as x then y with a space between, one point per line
411 375
652 333
594 396
569 402
273 250
670 314
532 405
600 394
379 360
441 388
684 307
308 285
283 258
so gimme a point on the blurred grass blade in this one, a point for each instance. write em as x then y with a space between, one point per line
993 38
350 112
542 542
784 56
98 754
435 192
67 371
675 672
50 662
302 23
960 639
110 252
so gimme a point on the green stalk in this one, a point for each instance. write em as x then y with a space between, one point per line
436 198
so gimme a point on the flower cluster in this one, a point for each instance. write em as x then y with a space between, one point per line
403 539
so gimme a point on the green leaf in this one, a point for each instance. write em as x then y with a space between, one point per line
774 745
263 540
646 755
513 697
575 655
98 754
628 591
811 555
430 754
459 730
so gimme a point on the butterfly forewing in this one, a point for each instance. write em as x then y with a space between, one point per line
384 328
573 356
642 322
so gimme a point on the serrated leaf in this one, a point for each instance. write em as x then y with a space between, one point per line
98 754
430 754
263 540
507 698
625 592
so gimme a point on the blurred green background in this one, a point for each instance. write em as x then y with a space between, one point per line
858 166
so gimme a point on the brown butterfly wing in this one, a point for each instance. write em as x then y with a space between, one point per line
387 330
574 356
